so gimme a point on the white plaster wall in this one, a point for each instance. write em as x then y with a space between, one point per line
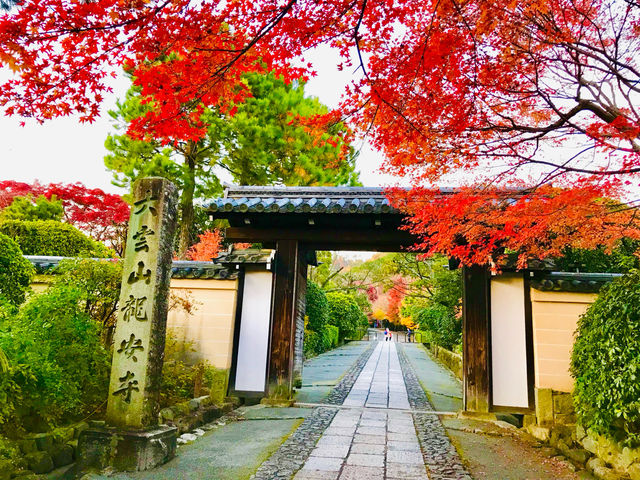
253 345
508 342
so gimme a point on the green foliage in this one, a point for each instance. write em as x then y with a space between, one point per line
262 143
99 284
621 260
333 334
26 209
16 272
179 377
311 341
606 361
319 336
441 323
58 367
52 238
317 310
345 314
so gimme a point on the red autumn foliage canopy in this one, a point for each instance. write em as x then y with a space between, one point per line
395 296
207 248
102 215
476 93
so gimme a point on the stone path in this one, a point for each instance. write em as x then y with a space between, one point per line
376 437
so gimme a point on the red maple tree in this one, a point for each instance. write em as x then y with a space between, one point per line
207 248
542 90
395 295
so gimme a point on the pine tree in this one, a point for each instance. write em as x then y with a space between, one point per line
275 136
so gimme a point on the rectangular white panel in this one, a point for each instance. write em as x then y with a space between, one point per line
251 366
508 342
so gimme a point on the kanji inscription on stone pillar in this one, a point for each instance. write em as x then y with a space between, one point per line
138 350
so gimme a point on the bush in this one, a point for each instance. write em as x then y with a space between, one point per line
344 313
317 309
16 272
333 334
25 208
310 345
99 283
179 377
441 323
606 361
58 367
52 238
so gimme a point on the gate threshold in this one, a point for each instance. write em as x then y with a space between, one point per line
356 407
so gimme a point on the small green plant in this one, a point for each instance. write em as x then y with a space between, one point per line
16 272
606 362
179 376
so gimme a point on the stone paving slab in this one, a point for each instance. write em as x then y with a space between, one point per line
382 441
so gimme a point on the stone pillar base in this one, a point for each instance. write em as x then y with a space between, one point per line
109 448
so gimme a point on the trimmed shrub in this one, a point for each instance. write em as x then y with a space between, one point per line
26 208
310 346
16 272
441 323
52 238
344 313
317 309
179 378
606 362
333 334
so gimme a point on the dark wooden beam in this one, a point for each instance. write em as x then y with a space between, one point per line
476 339
325 236
280 370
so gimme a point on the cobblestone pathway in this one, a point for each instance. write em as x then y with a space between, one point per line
376 437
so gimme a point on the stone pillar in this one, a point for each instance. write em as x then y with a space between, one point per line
132 439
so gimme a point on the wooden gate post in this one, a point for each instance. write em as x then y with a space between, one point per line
476 338
283 320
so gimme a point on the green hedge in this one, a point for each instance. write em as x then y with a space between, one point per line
333 334
345 314
52 238
15 272
441 323
606 362
317 309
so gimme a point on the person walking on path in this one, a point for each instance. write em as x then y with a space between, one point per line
409 332
387 334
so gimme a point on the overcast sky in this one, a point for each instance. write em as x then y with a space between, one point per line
64 150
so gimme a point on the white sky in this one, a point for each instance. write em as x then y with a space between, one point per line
64 150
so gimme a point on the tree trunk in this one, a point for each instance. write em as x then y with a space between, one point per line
186 208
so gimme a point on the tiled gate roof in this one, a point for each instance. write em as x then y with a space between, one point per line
338 200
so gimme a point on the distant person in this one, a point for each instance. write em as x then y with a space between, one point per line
387 334
409 333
